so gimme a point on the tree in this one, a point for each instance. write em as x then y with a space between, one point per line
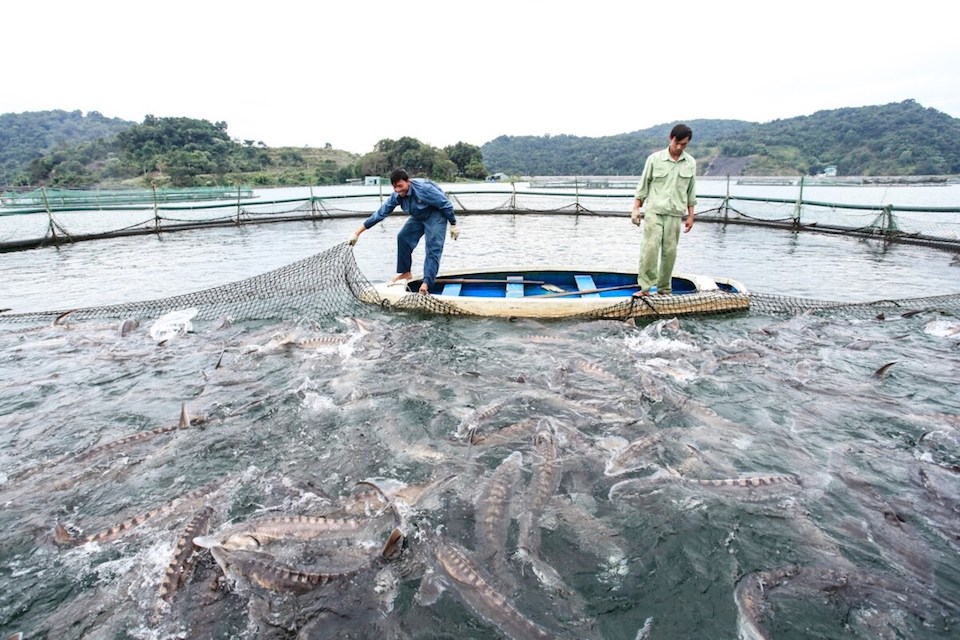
475 170
410 154
183 166
468 159
25 137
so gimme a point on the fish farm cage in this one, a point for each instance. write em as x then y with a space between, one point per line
330 283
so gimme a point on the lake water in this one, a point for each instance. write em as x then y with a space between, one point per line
854 418
140 268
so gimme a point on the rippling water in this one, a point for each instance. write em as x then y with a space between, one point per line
288 417
144 268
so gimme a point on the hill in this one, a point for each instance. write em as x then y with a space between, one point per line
187 152
28 136
68 149
897 139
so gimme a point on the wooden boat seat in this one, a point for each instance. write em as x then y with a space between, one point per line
586 283
451 289
514 286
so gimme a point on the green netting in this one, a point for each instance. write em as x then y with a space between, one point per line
330 284
44 199
48 225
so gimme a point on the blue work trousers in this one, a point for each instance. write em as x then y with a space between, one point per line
434 228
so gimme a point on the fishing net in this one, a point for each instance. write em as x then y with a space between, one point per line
48 224
330 284
326 284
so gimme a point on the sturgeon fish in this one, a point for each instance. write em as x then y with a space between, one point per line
669 476
749 596
399 497
254 535
631 457
143 436
493 514
595 371
64 537
107 447
543 485
179 568
127 327
265 571
881 600
469 425
475 591
511 433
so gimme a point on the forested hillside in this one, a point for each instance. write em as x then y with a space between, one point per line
895 139
26 136
68 149
178 152
185 152
565 155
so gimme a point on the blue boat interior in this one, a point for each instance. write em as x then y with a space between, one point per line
547 284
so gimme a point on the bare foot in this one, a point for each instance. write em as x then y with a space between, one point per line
424 289
401 276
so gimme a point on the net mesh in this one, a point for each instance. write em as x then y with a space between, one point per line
25 227
330 284
326 284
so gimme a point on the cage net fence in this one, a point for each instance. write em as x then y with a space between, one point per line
329 284
26 227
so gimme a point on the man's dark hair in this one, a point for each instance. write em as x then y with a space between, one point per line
681 131
397 175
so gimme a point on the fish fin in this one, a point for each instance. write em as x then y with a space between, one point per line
429 591
62 536
882 371
669 472
393 546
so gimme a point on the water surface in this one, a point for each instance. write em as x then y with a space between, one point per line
288 420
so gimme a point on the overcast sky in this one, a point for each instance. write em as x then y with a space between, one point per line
350 73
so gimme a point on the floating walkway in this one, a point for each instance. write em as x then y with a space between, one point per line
74 199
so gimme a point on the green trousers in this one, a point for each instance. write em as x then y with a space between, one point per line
660 236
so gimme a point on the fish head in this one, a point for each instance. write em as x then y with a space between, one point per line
232 542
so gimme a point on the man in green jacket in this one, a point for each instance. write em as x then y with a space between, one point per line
667 188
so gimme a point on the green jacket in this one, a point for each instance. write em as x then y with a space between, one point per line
668 186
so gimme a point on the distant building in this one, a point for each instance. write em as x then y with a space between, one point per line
830 172
373 181
498 177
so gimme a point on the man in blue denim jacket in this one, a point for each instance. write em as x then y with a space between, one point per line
430 210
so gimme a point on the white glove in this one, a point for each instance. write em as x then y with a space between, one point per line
352 240
454 232
636 217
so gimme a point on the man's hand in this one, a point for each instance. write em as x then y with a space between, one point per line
352 240
454 232
636 217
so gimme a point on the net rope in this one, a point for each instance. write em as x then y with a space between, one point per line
22 227
329 284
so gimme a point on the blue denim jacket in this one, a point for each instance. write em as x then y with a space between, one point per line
422 200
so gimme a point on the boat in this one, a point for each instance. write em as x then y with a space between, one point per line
561 293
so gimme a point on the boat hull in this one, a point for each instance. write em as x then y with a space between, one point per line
561 293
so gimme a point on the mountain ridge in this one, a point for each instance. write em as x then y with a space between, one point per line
896 139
